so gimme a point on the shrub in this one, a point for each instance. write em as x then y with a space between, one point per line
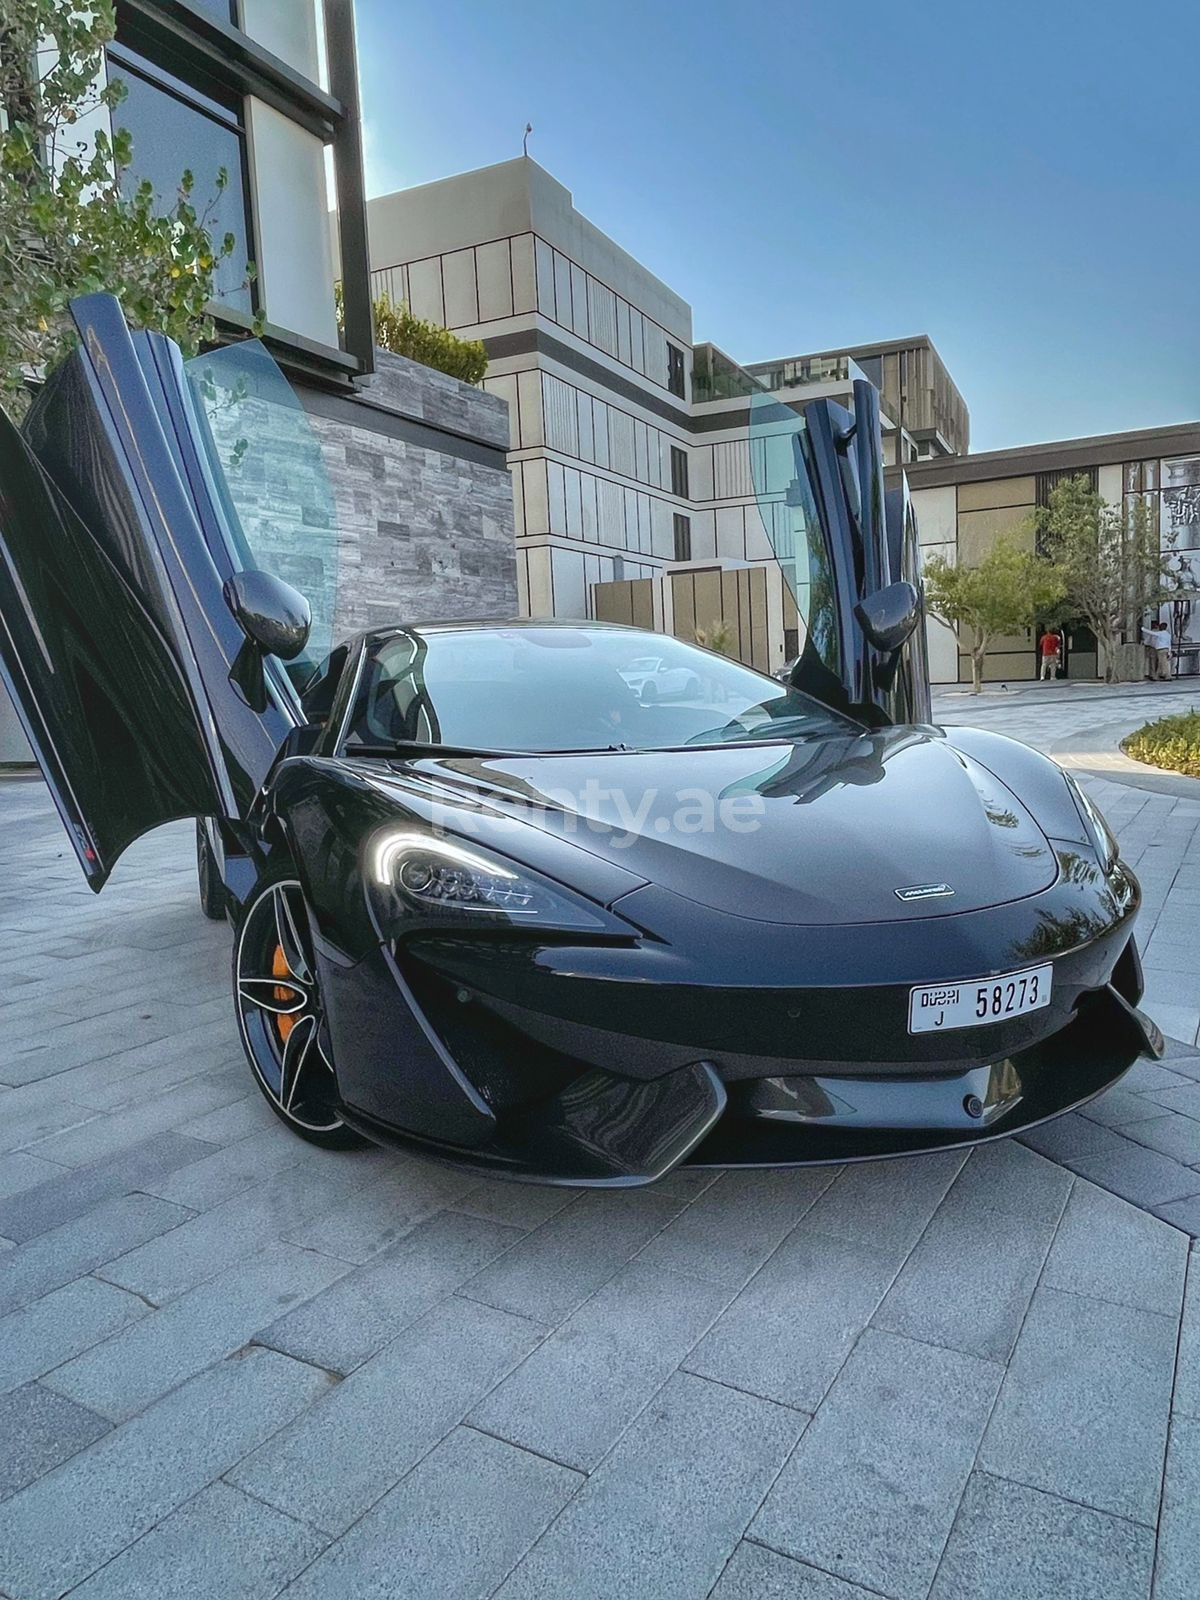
718 636
1172 742
397 330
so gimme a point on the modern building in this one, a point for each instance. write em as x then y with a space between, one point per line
630 444
964 503
415 462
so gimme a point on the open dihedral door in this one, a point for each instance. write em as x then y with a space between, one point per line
847 550
116 643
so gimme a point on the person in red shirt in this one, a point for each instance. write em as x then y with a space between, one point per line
1051 648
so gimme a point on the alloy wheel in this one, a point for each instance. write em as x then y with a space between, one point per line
280 1011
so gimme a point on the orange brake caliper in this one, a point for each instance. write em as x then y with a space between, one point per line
280 969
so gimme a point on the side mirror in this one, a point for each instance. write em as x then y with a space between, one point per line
889 616
273 616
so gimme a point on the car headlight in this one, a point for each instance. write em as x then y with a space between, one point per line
1101 834
422 879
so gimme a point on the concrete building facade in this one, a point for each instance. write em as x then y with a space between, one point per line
630 444
964 503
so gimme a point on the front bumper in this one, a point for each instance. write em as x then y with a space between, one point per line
608 1064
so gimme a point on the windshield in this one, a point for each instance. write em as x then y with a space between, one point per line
269 475
540 689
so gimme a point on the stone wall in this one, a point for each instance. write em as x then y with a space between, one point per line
425 522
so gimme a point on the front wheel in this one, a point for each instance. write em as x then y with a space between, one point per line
280 1014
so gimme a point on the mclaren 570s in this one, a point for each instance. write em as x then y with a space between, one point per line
560 901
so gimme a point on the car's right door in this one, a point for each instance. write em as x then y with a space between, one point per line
818 479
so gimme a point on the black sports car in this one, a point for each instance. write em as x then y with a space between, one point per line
494 902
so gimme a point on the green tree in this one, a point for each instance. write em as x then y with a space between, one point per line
1112 568
1008 591
397 330
70 221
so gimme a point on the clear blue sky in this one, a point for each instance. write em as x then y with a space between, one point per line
1018 180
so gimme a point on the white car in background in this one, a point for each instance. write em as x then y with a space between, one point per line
651 679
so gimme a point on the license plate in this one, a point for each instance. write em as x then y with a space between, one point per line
936 1007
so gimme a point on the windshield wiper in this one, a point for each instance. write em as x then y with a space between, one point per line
414 747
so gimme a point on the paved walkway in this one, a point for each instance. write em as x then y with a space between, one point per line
234 1366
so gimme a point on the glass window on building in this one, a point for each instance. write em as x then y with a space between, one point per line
683 537
679 472
222 10
675 380
174 126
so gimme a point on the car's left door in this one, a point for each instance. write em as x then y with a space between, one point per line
116 642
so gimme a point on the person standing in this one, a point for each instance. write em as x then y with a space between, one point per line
1051 650
1162 650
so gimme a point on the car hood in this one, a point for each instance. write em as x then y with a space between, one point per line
820 831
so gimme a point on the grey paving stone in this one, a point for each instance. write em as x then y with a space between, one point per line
1070 1137
49 1331
1140 1175
968 1282
871 1491
1185 1100
341 1456
214 1240
1171 1135
885 1204
454 1527
1187 1374
1177 1576
660 1515
559 1265
222 1545
1182 1214
29 1118
516 1205
41 1429
787 1334
729 1231
20 1171
83 1245
105 1498
222 1173
356 1316
1118 1106
70 1192
755 1573
1084 1406
572 1398
1151 1077
383 1210
1008 1179
136 1366
104 1136
1111 1250
1182 1059
236 1121
1014 1543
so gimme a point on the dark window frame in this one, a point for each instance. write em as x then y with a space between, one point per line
676 373
679 473
682 530
127 63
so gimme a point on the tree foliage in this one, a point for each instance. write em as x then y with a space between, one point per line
397 330
71 222
1009 591
1112 567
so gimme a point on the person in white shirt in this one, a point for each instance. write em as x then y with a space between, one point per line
1158 643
